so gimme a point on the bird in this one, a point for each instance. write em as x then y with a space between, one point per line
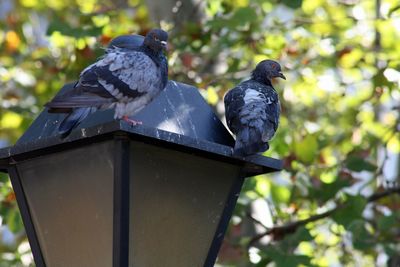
126 78
252 109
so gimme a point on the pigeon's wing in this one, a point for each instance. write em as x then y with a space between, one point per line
164 70
234 102
272 106
130 75
119 75
87 92
73 99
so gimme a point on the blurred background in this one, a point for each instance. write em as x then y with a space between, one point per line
337 201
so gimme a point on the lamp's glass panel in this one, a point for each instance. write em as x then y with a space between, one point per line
70 200
177 201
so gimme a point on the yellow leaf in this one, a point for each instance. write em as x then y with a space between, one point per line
141 12
309 6
212 96
263 185
328 177
80 43
394 144
101 20
241 3
57 39
29 3
351 59
260 57
13 41
280 193
56 4
86 6
10 120
306 149
306 248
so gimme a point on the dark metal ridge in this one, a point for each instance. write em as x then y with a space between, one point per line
121 218
253 165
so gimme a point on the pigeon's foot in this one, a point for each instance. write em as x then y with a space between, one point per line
130 121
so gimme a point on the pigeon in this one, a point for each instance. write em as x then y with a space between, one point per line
126 78
252 109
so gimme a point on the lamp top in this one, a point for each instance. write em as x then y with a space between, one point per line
178 118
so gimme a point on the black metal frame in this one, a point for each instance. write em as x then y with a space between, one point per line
252 165
122 133
26 216
224 221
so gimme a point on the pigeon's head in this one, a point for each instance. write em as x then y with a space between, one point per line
266 70
156 40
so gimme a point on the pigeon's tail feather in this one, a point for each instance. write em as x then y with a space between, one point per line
72 120
241 139
249 142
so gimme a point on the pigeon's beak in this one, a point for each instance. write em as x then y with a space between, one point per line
164 45
280 75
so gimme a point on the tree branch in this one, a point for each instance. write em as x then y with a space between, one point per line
248 214
379 195
281 230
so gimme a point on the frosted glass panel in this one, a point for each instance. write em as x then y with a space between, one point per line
177 201
70 199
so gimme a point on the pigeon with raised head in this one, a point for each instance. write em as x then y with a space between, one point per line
252 109
126 78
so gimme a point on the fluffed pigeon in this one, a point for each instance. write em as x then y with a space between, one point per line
126 78
252 109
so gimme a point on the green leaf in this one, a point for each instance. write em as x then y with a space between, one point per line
327 191
390 249
362 239
351 211
280 193
293 260
243 15
239 18
67 30
3 178
359 164
306 149
14 220
293 3
282 259
301 234
264 262
385 223
292 240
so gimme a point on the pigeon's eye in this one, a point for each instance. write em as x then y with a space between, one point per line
156 39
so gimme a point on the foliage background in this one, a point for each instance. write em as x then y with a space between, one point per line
336 203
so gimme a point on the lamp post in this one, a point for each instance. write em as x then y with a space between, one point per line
111 194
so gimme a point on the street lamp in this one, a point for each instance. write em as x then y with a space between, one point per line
111 194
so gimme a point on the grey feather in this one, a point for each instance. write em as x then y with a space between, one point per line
73 119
